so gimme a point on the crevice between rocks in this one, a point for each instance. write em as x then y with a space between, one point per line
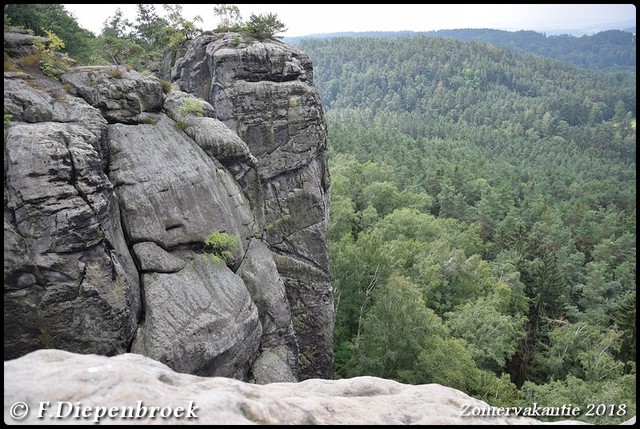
297 257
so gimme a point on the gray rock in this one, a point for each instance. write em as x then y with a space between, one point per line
296 214
213 136
174 106
53 378
311 302
170 192
121 95
18 43
252 164
263 91
279 356
152 257
31 100
70 281
200 320
192 66
280 122
272 366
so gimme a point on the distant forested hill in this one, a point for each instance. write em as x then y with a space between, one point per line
483 220
607 50
426 74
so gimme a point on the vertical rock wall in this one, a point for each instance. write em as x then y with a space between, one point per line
69 279
263 90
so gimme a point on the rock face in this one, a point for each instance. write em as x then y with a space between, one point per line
61 379
112 185
69 279
264 92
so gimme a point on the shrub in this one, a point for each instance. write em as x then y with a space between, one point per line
47 54
166 86
191 106
220 246
115 72
181 125
30 60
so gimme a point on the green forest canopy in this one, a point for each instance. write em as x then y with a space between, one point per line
607 50
482 228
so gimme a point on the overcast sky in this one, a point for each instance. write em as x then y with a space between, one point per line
304 19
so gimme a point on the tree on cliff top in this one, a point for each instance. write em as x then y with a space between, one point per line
264 26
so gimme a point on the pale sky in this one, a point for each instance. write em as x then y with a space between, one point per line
305 19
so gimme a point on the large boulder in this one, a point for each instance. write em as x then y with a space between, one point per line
18 43
211 134
121 95
199 320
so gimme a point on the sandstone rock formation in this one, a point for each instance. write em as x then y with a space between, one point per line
69 279
264 92
89 381
112 185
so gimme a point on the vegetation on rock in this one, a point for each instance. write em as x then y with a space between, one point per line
219 246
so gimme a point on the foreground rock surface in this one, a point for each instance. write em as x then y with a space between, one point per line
124 379
121 381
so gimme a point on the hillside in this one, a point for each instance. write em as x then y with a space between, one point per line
474 183
606 50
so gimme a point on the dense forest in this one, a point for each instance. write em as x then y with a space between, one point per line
483 214
483 210
606 50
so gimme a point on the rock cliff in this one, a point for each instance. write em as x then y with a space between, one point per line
113 181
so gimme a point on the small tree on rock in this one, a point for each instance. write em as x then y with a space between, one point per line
264 26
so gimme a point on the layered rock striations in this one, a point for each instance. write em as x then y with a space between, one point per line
112 186
264 92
